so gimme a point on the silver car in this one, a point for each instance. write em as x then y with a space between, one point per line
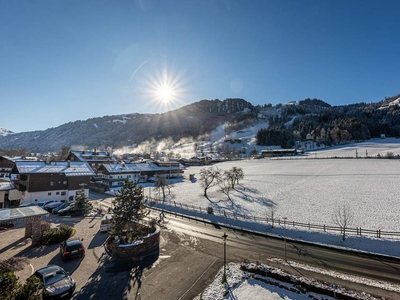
57 282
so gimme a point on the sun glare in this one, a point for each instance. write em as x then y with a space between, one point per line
165 93
164 88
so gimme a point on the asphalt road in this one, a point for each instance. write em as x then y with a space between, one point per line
190 255
242 245
205 242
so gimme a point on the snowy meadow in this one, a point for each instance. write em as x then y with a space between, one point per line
305 190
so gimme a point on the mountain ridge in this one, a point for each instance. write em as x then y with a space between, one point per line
197 120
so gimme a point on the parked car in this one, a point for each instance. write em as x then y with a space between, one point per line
66 210
49 207
72 248
57 282
27 204
43 203
105 224
61 206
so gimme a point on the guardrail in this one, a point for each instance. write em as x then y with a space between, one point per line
279 222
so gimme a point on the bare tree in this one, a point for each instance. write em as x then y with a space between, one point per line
227 184
162 183
233 175
209 177
238 174
230 178
343 217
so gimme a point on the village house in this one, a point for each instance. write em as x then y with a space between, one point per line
45 180
94 158
114 175
8 162
9 195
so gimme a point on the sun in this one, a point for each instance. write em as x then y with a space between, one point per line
165 93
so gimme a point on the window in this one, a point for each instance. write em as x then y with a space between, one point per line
49 193
63 193
51 183
57 193
65 182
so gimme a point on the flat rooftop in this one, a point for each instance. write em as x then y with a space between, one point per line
11 214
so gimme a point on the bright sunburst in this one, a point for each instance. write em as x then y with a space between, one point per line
165 93
163 88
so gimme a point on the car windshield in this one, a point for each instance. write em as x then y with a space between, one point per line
52 278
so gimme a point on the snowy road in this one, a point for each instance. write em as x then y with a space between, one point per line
242 245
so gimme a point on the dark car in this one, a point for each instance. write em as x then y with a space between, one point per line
66 210
72 248
43 203
49 207
61 206
57 282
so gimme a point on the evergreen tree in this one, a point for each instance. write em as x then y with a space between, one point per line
82 206
128 210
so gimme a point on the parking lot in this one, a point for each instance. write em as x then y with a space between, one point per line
170 273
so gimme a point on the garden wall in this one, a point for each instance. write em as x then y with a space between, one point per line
135 249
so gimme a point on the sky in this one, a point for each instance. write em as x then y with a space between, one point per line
63 61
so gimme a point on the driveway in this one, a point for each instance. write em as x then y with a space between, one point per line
177 271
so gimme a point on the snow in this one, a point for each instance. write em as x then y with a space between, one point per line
243 285
303 189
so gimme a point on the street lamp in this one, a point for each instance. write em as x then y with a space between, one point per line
284 223
224 239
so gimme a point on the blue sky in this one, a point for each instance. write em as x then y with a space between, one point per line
63 61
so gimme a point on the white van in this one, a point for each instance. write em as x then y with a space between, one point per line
105 224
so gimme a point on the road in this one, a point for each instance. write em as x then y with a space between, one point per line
206 239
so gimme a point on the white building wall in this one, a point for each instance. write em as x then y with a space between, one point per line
41 196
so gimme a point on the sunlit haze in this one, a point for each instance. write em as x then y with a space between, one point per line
63 61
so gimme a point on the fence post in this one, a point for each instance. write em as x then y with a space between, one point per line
293 223
175 203
324 227
200 209
360 230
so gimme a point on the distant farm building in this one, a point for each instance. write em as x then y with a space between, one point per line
278 152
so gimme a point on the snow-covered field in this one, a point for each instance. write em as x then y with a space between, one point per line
306 190
309 190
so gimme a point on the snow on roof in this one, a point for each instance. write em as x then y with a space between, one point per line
6 185
140 167
93 155
74 168
9 214
21 158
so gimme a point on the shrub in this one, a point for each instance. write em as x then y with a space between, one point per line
57 235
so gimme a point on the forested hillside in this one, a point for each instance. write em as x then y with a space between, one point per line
330 125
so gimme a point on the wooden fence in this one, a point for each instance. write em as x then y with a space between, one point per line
280 222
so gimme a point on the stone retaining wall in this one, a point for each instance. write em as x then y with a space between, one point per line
136 249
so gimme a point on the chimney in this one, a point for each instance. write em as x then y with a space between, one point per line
68 163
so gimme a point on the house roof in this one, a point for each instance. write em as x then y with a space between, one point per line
21 158
93 156
10 214
141 167
6 185
76 168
